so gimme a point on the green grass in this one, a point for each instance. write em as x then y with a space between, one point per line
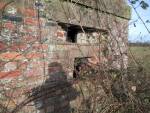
141 55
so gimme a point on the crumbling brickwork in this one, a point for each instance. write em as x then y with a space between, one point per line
35 34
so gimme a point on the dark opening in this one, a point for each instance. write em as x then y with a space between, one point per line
83 68
72 35
79 62
73 30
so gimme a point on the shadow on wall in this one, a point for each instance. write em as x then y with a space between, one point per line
55 94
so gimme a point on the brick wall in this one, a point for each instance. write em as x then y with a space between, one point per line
26 50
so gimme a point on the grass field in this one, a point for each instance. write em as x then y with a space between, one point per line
141 55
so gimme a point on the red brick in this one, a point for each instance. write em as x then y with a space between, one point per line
16 47
2 46
28 30
60 34
2 63
29 38
10 74
34 72
23 65
9 25
34 55
40 46
2 4
94 60
31 21
11 56
28 12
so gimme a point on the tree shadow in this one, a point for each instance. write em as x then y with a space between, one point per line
55 94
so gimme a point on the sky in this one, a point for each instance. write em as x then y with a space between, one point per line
137 31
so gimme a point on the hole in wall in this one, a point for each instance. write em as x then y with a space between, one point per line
73 30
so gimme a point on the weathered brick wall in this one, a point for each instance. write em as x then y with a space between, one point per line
27 47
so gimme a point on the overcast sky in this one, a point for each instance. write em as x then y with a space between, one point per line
137 31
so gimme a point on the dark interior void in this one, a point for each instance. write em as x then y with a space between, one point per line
83 68
79 62
72 35
72 30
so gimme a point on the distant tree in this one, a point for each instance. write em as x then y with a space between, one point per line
142 3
